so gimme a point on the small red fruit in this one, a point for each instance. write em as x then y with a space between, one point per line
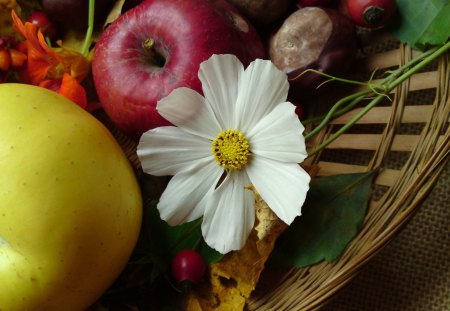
188 266
370 13
41 20
300 112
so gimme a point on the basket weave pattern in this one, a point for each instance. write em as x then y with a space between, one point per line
415 126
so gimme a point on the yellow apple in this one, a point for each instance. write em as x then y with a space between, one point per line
70 204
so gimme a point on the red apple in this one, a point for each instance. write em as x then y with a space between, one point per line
158 46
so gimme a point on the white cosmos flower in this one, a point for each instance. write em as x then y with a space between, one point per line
242 132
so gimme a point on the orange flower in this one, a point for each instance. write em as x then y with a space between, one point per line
68 87
49 68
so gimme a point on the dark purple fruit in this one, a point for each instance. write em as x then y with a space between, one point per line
323 3
262 12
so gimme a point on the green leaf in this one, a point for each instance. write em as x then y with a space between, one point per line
168 240
158 243
333 212
421 24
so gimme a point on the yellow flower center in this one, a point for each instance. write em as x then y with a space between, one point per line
231 149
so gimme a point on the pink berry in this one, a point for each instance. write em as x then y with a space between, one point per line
41 20
188 265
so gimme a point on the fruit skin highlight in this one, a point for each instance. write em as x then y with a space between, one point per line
70 204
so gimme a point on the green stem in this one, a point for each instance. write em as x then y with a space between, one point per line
347 126
154 58
393 74
88 38
330 78
339 112
390 84
334 112
429 57
48 41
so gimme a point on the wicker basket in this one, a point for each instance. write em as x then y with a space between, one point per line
407 139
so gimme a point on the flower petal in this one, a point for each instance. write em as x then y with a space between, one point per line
184 198
262 87
283 186
40 57
220 76
73 90
187 109
76 64
278 136
33 35
169 150
229 215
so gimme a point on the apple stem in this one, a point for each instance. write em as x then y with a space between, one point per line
155 57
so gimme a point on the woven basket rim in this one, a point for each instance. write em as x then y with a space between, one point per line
428 152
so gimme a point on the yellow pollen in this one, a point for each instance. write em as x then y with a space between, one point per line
231 149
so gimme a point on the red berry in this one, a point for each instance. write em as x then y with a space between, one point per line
300 112
41 20
188 265
370 13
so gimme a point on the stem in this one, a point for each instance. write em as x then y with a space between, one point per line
434 54
48 41
390 84
348 125
154 57
334 112
374 15
88 38
393 74
330 78
409 64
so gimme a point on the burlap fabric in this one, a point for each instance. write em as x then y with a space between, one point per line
412 273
